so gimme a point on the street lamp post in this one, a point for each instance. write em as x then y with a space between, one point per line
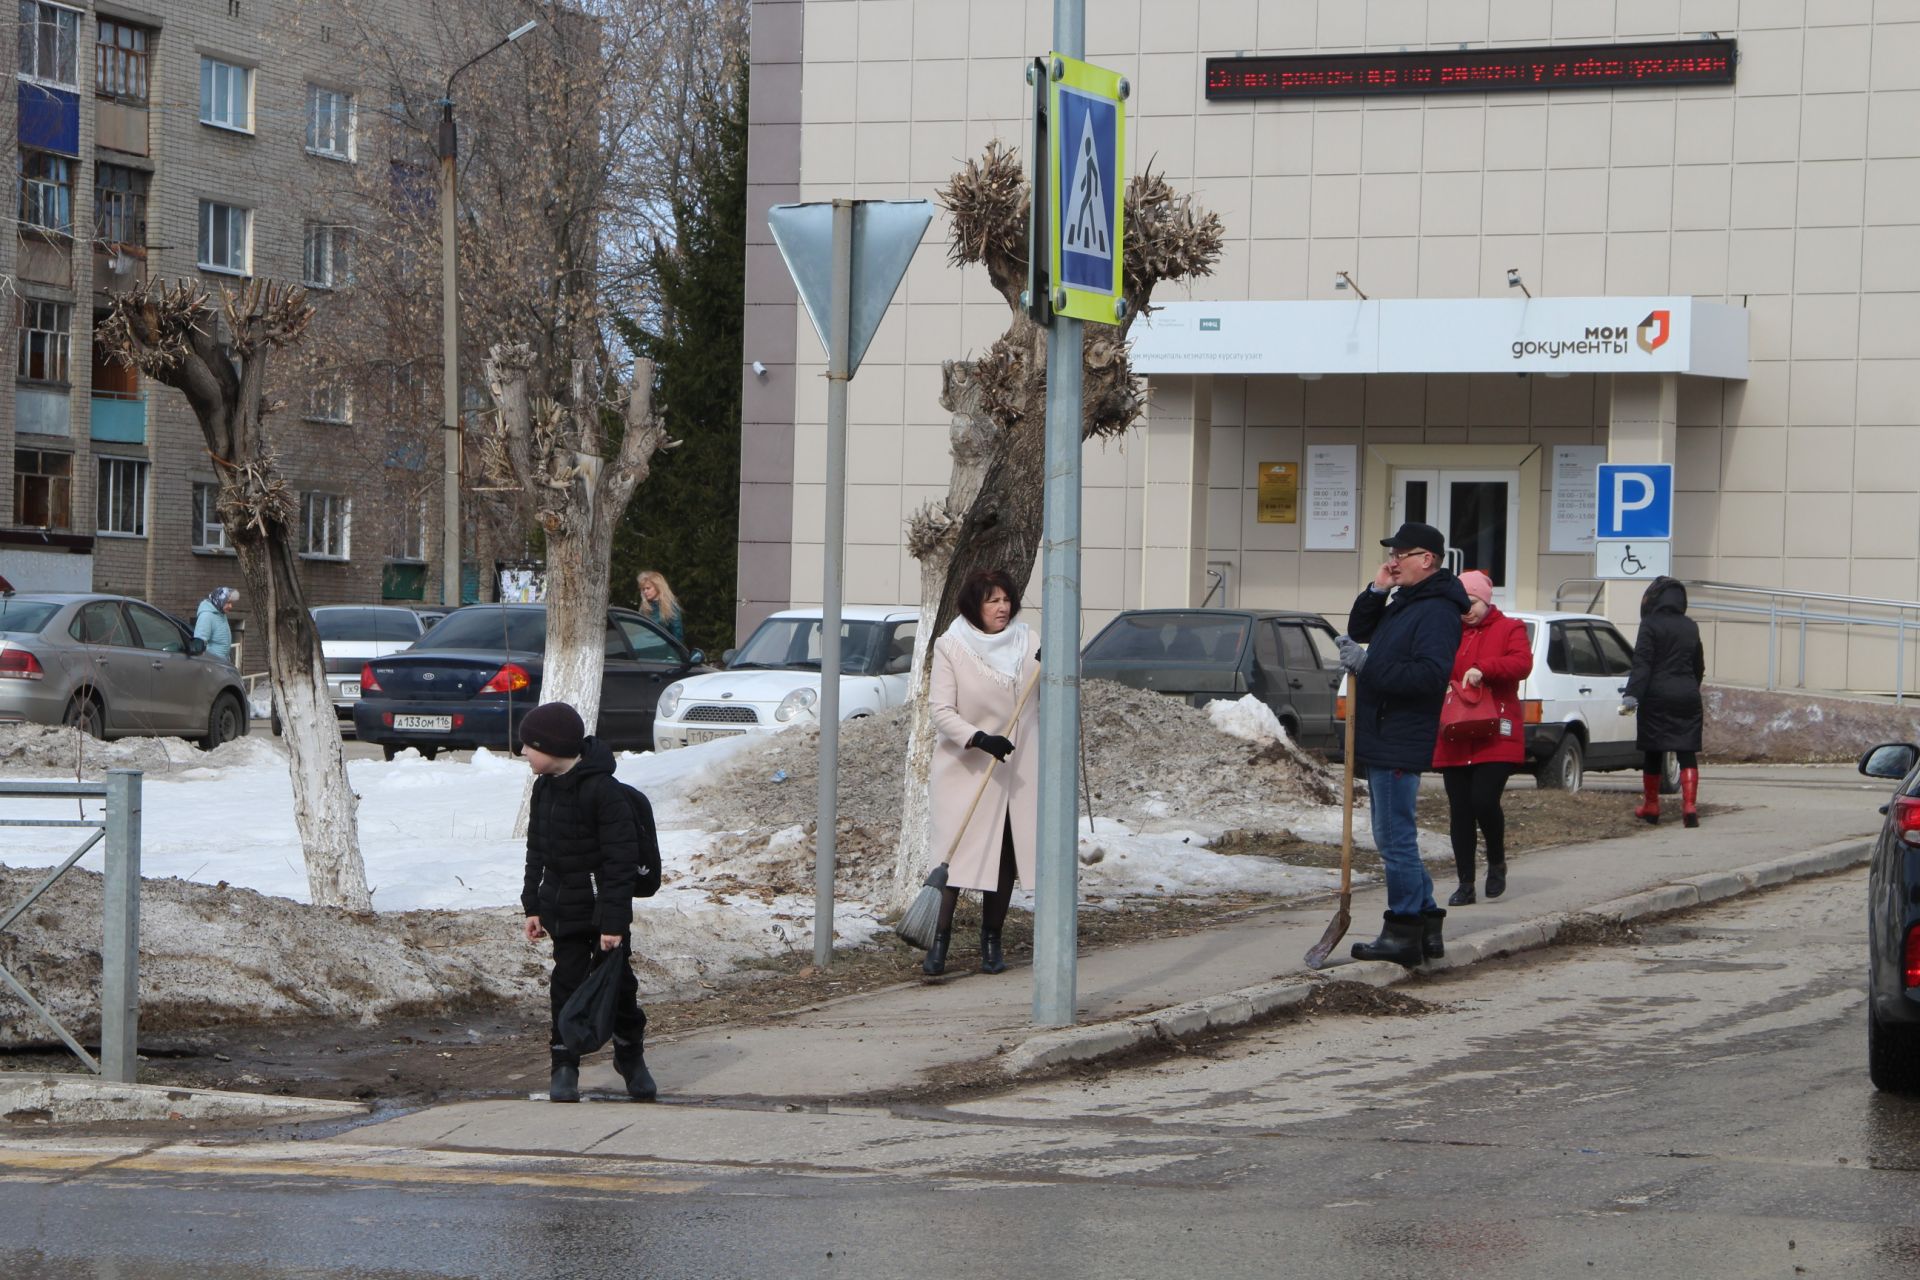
447 141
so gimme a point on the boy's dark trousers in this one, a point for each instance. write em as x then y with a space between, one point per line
572 958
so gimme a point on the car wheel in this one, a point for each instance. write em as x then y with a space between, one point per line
388 750
1893 1056
1290 727
1670 774
274 722
430 753
1566 769
225 722
84 713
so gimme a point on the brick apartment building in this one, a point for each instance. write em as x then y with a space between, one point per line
182 139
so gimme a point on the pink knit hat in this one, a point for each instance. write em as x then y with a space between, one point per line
1479 586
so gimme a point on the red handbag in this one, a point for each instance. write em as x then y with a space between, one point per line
1468 715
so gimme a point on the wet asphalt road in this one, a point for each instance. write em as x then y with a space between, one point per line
1693 1104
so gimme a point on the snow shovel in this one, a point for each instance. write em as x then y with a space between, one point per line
1344 916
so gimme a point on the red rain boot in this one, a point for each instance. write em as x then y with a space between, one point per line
1690 797
1649 810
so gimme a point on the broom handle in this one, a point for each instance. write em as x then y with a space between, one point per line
1346 796
987 777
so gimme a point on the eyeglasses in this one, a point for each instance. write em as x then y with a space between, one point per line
1412 551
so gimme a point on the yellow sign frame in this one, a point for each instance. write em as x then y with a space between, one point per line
1107 90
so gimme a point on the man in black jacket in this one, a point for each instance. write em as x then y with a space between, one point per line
1409 617
583 860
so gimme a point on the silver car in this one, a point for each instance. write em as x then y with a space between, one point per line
113 667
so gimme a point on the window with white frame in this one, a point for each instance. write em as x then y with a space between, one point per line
327 256
122 498
209 533
410 535
50 43
226 238
329 398
46 191
226 95
329 122
325 521
46 340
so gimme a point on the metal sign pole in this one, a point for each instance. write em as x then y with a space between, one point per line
839 343
120 931
1056 896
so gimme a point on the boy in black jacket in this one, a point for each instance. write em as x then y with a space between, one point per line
583 849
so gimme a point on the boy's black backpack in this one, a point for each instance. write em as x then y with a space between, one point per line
647 883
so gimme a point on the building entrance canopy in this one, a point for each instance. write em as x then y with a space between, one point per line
1444 335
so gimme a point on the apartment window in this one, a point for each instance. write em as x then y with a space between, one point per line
329 122
226 95
46 340
119 204
122 497
209 533
226 238
50 43
325 519
329 399
120 66
46 191
43 489
410 536
326 256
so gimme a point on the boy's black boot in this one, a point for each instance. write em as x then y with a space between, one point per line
936 962
565 1084
632 1066
1402 940
991 959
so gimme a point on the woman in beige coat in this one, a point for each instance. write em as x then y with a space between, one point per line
981 666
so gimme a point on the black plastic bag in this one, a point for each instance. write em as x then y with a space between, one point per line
586 1019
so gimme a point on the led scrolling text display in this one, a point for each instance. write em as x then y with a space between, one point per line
1586 66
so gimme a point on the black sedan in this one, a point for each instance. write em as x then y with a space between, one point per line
468 682
1288 660
1893 925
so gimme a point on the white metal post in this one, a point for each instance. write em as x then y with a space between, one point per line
450 361
839 340
120 931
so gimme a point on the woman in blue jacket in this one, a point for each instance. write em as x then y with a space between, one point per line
210 622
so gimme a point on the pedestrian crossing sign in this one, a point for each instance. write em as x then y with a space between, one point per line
1086 191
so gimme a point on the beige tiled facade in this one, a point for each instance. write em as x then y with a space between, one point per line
1794 193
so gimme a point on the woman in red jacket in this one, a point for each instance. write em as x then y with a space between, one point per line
1494 657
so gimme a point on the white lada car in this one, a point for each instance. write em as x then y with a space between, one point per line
773 681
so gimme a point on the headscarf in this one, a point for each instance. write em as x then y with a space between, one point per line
999 656
219 596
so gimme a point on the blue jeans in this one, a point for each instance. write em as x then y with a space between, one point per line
1392 794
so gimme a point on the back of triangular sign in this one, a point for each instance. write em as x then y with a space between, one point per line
885 235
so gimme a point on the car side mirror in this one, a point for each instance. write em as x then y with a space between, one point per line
196 646
1890 760
697 657
726 659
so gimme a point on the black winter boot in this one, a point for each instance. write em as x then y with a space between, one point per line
1463 896
631 1063
1496 876
1431 923
991 961
1401 940
936 962
565 1084
1463 869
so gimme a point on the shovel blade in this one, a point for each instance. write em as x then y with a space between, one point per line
1317 956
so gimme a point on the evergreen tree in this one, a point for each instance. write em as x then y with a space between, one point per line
685 521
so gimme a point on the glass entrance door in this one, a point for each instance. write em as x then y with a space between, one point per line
1478 511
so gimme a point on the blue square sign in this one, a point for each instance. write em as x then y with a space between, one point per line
1089 132
1635 500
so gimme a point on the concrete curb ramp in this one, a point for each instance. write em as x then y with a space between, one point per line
1053 1049
65 1099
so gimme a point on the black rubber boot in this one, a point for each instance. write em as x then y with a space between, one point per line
565 1083
1431 922
1496 876
1463 871
936 962
991 961
631 1063
1401 940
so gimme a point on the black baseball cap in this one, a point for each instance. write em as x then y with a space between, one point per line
1417 537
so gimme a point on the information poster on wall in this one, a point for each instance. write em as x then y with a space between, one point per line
1574 467
1333 496
1279 492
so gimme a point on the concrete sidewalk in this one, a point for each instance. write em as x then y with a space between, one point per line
1791 822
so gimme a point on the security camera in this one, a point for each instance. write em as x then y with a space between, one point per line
1340 281
1513 278
759 370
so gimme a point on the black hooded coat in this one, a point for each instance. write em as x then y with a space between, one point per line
583 849
1668 666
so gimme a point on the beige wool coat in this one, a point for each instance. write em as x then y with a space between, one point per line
967 699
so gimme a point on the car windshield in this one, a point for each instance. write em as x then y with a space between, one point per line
479 627
365 624
25 615
793 644
1170 637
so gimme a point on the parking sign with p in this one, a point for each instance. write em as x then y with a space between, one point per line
1635 500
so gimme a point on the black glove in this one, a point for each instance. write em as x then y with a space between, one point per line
993 744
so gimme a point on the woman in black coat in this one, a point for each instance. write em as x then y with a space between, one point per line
1664 686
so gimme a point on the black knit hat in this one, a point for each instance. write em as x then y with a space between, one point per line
555 728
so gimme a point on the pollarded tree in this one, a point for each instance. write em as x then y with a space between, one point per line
215 354
992 515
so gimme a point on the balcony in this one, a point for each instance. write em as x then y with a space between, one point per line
121 420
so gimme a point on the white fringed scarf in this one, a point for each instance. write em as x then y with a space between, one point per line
999 656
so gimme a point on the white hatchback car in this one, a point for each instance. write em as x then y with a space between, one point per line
773 681
1571 702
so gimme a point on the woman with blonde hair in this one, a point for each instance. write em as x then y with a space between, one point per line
659 604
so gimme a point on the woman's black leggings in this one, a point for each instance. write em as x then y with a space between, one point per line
1656 761
1473 800
993 902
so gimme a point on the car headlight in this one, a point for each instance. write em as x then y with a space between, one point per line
670 700
794 703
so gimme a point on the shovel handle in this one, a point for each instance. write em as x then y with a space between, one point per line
1346 794
987 777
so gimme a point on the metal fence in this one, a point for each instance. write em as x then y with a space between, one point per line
119 829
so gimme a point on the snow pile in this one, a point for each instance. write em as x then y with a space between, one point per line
1248 718
29 750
